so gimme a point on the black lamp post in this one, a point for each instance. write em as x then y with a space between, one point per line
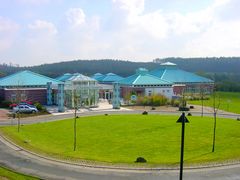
182 119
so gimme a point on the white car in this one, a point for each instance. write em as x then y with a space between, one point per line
25 109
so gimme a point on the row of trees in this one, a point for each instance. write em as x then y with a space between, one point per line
216 105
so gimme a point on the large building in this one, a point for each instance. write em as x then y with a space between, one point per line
26 85
79 90
30 86
144 84
106 84
182 80
167 80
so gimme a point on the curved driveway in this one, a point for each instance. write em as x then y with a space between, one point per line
16 158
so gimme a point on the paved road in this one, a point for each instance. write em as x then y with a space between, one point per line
22 161
48 118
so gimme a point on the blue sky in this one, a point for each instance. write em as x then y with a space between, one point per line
44 31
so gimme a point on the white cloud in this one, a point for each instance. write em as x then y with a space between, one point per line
43 26
199 33
131 6
75 16
159 24
130 32
152 24
35 2
194 22
7 25
220 3
8 32
221 39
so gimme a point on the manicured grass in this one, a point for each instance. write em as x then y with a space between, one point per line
123 138
9 174
229 101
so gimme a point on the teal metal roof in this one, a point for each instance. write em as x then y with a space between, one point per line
26 78
111 77
74 77
98 76
108 78
80 77
175 75
142 77
64 77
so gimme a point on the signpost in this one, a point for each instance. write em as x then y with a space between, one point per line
182 119
133 97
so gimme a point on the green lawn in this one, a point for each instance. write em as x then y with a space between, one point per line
123 138
9 174
229 101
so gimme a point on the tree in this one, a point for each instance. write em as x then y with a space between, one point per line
19 94
76 99
202 94
75 120
215 110
183 101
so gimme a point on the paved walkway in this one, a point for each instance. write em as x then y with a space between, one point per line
3 114
102 106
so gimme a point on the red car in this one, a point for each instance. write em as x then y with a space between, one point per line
27 102
21 103
13 105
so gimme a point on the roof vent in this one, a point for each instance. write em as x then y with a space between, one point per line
168 64
110 74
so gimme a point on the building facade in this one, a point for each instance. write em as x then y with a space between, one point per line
144 84
26 85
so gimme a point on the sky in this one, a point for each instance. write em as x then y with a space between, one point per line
35 32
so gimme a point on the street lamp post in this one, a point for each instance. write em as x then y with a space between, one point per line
182 119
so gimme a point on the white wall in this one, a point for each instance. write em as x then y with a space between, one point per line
166 91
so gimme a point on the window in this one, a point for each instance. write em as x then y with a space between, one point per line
13 97
149 93
23 96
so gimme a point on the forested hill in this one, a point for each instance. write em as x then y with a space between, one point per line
86 67
125 68
90 67
207 65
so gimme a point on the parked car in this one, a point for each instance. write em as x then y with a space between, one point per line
12 105
29 103
25 109
24 103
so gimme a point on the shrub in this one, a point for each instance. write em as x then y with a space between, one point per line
144 113
197 97
5 104
175 102
40 107
154 100
158 100
140 160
